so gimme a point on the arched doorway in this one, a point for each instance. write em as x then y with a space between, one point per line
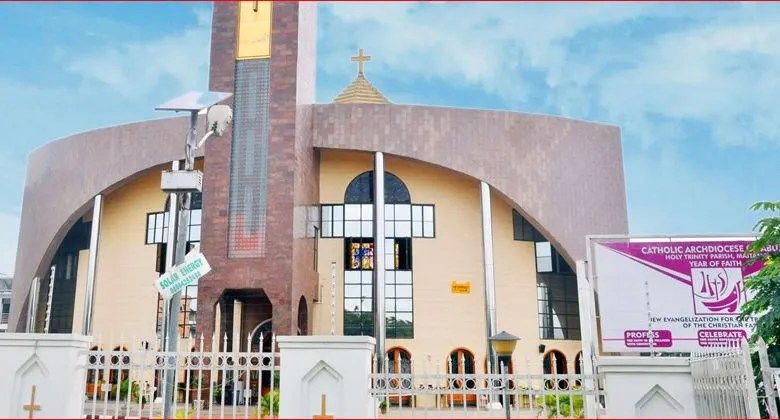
303 317
399 361
261 341
262 332
461 362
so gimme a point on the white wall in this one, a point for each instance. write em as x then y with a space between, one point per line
53 363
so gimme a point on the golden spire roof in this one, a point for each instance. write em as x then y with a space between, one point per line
361 91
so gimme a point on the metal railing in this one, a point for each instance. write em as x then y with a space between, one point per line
209 383
529 394
723 384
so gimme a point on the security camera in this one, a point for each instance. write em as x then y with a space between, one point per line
218 118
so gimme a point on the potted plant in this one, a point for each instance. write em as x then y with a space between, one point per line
383 406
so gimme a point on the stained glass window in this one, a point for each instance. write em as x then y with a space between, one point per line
360 254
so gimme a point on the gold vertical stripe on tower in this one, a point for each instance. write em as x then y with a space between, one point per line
253 38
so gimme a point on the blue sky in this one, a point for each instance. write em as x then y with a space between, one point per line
695 87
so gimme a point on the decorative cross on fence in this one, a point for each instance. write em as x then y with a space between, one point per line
323 410
31 407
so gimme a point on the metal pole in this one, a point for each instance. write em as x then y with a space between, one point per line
487 255
379 258
182 223
89 293
170 254
588 339
32 305
504 389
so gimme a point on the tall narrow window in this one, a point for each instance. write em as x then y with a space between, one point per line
558 307
157 233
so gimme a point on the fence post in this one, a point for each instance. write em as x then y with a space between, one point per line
770 392
752 397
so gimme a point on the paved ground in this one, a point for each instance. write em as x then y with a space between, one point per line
104 409
470 412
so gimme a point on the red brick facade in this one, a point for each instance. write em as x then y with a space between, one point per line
274 272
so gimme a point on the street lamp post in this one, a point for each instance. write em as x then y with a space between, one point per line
503 345
183 183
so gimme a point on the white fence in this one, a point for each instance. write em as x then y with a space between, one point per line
724 385
459 394
209 383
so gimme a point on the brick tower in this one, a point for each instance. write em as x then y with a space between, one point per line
261 180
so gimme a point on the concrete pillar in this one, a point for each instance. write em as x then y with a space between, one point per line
379 258
487 258
236 338
94 239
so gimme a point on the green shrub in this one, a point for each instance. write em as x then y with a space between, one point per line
549 405
123 387
269 400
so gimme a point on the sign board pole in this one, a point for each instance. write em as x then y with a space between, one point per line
182 231
588 339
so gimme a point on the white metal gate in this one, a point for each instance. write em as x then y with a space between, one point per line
440 394
126 383
723 384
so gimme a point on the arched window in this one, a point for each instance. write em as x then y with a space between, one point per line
303 317
399 361
361 190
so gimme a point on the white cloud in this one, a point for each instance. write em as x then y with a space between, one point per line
9 235
725 75
717 66
486 45
134 69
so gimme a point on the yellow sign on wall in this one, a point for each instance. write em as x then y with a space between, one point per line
254 30
461 287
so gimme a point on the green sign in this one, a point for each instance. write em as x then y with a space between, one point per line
194 267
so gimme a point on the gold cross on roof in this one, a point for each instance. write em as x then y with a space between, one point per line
361 59
31 407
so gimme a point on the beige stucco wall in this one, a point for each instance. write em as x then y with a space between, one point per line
126 298
444 321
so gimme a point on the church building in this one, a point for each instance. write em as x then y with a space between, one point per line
446 225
